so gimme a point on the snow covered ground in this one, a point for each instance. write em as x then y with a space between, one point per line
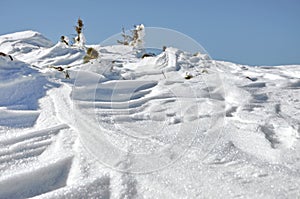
127 127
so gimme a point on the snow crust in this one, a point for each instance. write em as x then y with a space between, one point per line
127 127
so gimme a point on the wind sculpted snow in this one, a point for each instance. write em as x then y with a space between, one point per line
127 127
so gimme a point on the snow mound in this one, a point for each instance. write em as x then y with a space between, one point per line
23 42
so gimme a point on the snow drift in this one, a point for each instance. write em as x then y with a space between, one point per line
127 127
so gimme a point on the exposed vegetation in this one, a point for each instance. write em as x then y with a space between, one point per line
136 39
64 39
126 38
79 40
63 70
188 76
6 55
91 53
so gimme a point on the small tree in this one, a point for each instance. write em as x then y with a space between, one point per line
79 39
126 38
138 36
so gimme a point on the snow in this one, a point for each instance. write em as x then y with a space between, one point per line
127 127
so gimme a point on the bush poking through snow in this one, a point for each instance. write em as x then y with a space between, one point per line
67 74
188 76
196 54
91 53
61 69
65 40
137 38
79 40
6 55
79 26
126 38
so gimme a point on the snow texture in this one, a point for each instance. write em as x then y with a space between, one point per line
129 127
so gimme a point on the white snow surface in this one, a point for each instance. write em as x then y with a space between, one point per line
127 127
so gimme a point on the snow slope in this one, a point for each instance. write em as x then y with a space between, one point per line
127 127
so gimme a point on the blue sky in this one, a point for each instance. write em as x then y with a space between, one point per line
254 32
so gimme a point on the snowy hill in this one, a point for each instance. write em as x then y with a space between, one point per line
175 125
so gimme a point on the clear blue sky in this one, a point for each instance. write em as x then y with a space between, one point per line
254 32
